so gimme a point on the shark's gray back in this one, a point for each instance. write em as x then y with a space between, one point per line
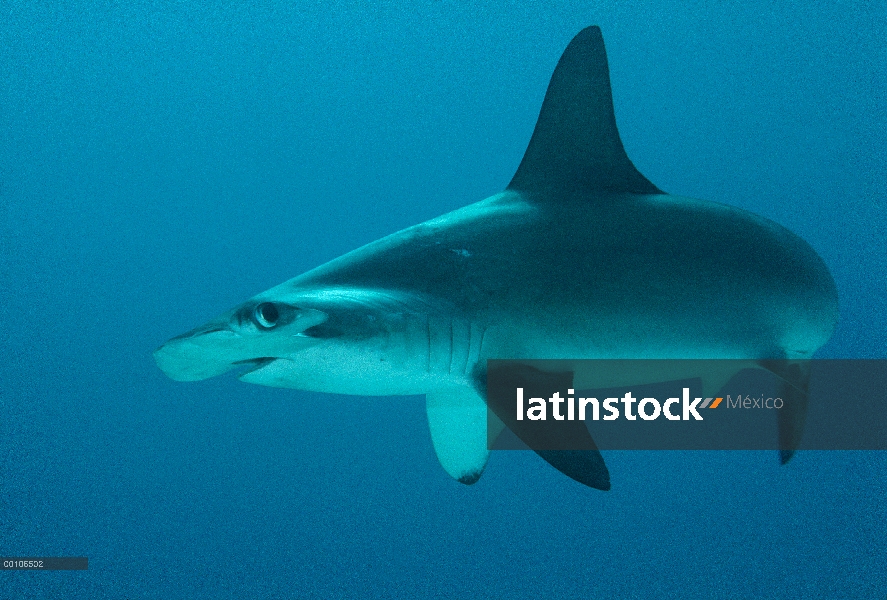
597 274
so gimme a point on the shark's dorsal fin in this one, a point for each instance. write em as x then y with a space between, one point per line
576 147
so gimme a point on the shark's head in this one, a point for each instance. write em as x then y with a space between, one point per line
342 340
250 336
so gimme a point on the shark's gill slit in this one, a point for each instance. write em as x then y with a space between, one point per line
452 349
428 344
467 350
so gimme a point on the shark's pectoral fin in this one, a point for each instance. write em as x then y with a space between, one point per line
457 418
793 388
714 381
584 464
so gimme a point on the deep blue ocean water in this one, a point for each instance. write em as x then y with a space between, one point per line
162 162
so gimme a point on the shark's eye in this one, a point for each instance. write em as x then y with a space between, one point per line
266 315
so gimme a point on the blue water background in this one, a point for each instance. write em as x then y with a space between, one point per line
160 162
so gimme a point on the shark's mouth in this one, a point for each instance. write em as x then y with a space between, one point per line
266 370
252 365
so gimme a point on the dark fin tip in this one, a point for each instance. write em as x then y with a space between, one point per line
470 478
585 466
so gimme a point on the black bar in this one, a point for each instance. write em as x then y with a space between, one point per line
45 563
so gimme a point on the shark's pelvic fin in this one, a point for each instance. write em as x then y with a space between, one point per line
575 146
794 390
457 418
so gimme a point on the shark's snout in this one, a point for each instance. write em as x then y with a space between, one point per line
181 359
247 339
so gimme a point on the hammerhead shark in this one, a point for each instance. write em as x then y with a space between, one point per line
581 257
